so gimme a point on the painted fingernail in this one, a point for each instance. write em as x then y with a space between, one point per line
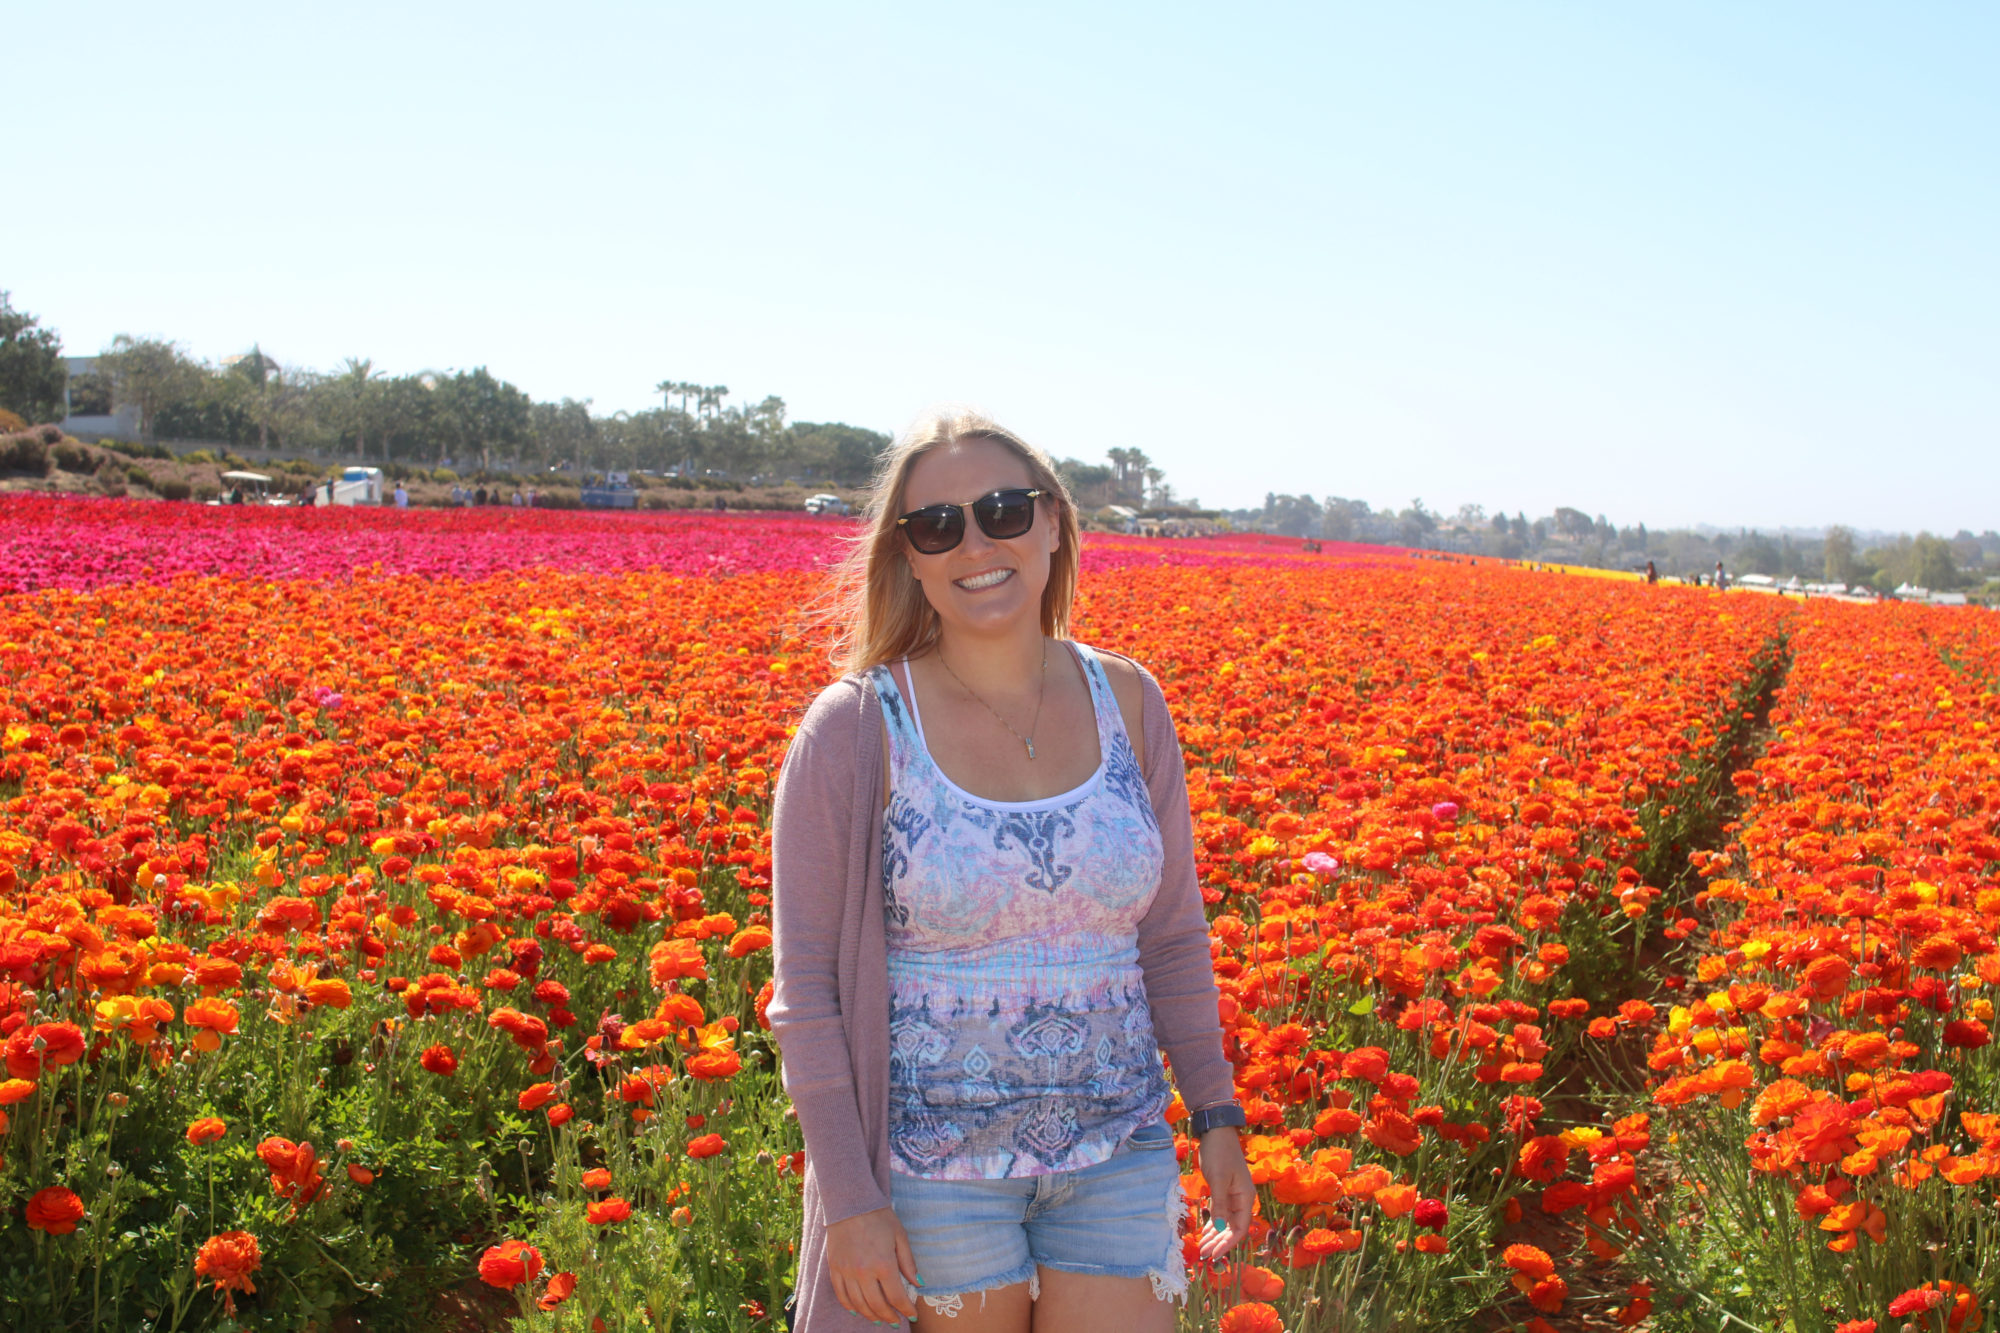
920 1279
1215 1224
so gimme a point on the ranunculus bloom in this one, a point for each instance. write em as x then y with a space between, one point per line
603 1212
229 1258
439 1060
597 1178
206 1130
1431 1213
54 1210
535 1096
560 1287
1528 1261
329 993
1251 1317
708 1145
509 1264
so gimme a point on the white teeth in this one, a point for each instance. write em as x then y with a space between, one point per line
988 580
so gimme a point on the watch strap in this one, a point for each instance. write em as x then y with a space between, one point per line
1216 1117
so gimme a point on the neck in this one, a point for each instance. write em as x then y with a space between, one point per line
996 664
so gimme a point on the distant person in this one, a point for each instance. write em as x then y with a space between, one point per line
720 504
1652 574
479 496
516 501
402 497
1721 579
457 495
531 497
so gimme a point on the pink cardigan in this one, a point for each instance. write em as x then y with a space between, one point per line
830 1009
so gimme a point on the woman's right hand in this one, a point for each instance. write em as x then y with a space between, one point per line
869 1257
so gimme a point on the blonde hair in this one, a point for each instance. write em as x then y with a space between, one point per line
877 612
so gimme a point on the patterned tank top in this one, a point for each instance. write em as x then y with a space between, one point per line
1020 1039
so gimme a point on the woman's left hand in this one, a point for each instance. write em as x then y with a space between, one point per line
1231 1195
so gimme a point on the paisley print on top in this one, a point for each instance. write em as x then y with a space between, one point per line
1020 1038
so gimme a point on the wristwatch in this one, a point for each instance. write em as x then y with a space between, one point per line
1215 1117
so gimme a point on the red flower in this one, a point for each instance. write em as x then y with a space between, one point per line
561 1285
708 1145
535 1096
509 1264
54 1210
1966 1033
1431 1213
440 1061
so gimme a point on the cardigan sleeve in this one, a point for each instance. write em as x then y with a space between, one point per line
1173 935
813 827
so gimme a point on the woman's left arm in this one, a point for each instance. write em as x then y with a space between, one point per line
1173 935
1180 981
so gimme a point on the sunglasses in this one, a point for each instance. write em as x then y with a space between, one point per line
935 529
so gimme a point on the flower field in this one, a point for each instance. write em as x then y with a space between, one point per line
384 907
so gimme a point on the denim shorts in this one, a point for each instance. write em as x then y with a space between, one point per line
1119 1218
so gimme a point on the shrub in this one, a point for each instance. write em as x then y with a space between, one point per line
176 489
10 421
198 456
444 476
72 457
206 492
24 453
50 433
138 476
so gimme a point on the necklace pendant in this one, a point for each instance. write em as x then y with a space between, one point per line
1031 748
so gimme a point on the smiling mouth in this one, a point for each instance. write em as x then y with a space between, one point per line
992 578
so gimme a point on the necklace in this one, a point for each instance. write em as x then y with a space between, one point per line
1029 739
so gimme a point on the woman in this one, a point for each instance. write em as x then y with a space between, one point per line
988 928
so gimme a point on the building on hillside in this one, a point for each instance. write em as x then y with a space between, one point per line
90 409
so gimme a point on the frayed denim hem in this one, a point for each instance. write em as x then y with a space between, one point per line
952 1302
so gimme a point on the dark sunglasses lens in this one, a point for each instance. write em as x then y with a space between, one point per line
935 529
1005 514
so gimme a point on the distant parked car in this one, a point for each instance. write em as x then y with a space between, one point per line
827 504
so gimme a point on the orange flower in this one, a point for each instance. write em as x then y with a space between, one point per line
229 1258
604 1212
708 1145
597 1178
535 1096
329 993
54 1210
213 1019
1251 1317
1528 1261
439 1060
206 1130
294 1169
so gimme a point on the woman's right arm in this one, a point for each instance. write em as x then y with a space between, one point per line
811 837
813 827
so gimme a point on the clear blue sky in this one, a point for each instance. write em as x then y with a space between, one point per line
1673 263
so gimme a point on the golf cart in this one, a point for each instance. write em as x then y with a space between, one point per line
246 488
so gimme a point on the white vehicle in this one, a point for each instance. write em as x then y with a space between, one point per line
248 488
355 486
827 504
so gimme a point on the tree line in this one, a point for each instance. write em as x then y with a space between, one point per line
1572 537
469 419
